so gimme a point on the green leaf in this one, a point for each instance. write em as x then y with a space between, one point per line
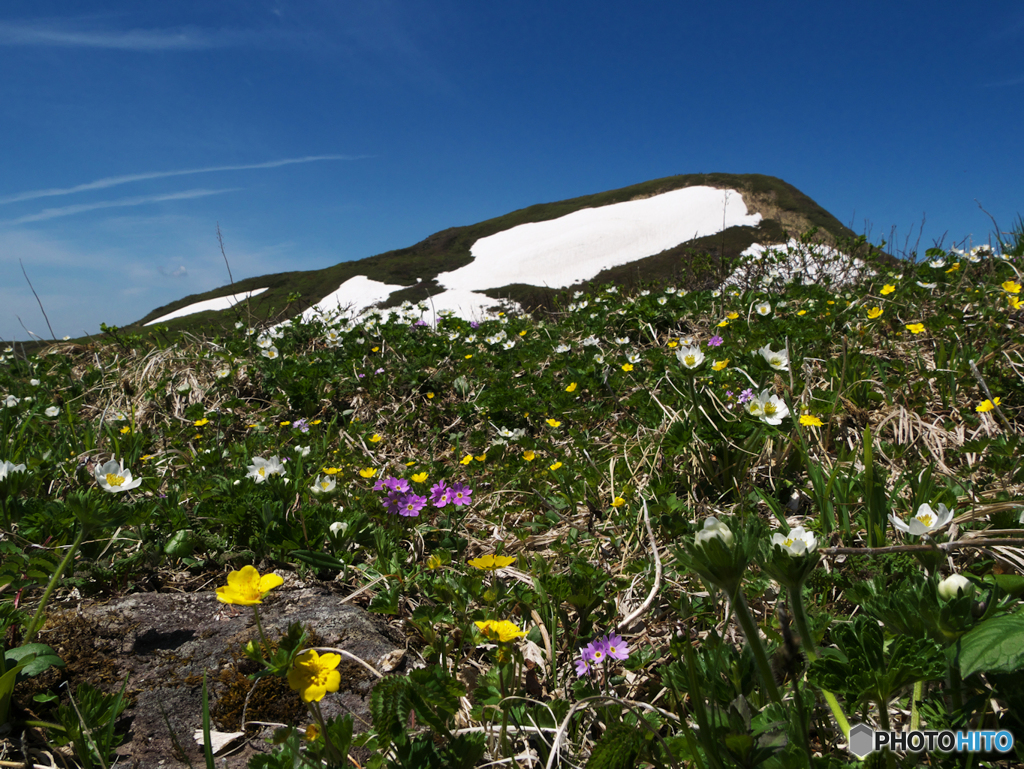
35 658
318 560
618 748
996 646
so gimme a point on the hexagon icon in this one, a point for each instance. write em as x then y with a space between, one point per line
862 740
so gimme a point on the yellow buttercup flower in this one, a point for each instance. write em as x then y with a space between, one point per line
246 587
434 562
466 459
420 477
201 422
1014 302
915 328
732 315
723 324
528 455
375 438
523 332
368 472
491 562
430 395
1011 287
312 676
987 405
802 312
555 466
331 470
571 388
618 502
627 366
874 312
553 422
503 631
673 343
480 457
887 289
810 421
718 365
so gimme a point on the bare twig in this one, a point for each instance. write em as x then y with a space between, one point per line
23 272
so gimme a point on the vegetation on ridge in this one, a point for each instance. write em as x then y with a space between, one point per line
655 528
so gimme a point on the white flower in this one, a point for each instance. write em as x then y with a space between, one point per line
222 373
504 432
6 468
261 469
927 285
563 348
598 358
691 357
508 344
670 290
633 357
622 340
324 485
271 353
264 341
951 586
52 411
763 309
924 521
772 408
798 542
778 360
716 293
113 477
34 382
10 402
937 263
662 300
302 451
591 341
714 528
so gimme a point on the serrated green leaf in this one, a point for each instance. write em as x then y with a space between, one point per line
996 646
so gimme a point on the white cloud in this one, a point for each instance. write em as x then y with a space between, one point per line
70 35
53 213
113 181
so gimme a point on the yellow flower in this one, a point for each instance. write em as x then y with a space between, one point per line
434 561
480 457
555 466
430 395
466 459
723 324
810 421
571 388
469 356
618 502
673 343
312 676
491 562
368 472
316 421
528 455
247 587
954 268
375 438
874 312
802 312
732 315
201 422
375 349
312 733
887 289
285 423
503 631
627 366
523 332
332 470
1014 301
420 477
1011 287
554 422
987 405
915 328
718 365
126 430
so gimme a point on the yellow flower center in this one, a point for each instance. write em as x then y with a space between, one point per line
691 360
324 485
770 409
926 518
114 480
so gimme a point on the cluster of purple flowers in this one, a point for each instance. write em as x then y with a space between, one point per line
715 341
401 501
596 653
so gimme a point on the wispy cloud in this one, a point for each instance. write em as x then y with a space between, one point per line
114 181
69 36
53 213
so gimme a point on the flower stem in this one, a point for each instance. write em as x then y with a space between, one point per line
796 602
259 627
742 614
38 619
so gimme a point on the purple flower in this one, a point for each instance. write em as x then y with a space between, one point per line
746 395
411 505
396 484
439 494
474 324
617 648
379 485
582 665
300 424
395 500
715 341
379 371
459 494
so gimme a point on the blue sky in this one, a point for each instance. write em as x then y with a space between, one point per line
320 131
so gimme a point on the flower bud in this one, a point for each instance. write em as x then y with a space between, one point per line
951 586
714 528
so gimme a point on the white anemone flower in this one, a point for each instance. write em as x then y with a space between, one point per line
763 308
691 357
264 341
563 348
799 541
271 353
937 263
113 477
773 408
6 468
714 529
622 340
10 402
777 359
591 341
261 468
927 285
951 586
52 411
925 521
508 344
302 451
325 484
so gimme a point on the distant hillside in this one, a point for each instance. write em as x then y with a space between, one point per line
698 263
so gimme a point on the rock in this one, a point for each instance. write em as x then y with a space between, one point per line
165 642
